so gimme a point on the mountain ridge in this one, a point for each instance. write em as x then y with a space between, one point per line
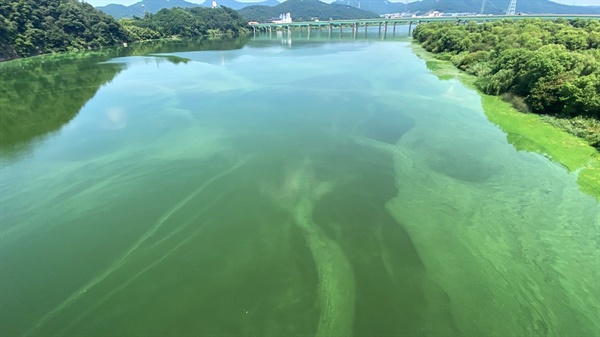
378 6
140 8
495 7
305 10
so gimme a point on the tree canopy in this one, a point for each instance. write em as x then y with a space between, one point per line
32 27
189 22
554 66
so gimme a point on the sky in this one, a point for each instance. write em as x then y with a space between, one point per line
129 2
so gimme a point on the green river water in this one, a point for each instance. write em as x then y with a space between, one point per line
279 186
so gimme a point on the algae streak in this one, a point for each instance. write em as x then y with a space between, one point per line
528 132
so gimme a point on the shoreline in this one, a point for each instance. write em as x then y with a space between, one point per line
528 131
122 45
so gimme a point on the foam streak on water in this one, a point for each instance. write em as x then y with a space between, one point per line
282 187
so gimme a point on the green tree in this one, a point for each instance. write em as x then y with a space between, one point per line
554 66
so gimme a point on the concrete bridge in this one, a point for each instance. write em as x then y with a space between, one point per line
383 23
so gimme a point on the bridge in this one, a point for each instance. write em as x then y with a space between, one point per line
383 23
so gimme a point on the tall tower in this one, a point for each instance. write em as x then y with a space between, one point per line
512 7
482 7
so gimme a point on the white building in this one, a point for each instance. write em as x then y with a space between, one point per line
283 18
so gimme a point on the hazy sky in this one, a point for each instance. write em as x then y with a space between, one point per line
129 2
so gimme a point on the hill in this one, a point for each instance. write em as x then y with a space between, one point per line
239 5
377 6
470 6
186 22
32 27
499 7
141 8
305 10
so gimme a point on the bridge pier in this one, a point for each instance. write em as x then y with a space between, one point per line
384 29
383 23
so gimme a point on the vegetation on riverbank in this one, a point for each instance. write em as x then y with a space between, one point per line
186 22
548 68
33 27
527 131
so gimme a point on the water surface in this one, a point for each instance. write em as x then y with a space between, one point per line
275 187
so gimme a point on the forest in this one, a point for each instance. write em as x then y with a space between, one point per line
550 68
33 27
185 22
305 10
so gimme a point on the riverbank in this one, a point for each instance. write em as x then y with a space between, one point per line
526 131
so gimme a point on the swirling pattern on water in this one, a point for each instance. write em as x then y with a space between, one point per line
291 187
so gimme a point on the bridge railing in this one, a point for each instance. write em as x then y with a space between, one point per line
407 20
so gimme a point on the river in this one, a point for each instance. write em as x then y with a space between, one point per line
279 186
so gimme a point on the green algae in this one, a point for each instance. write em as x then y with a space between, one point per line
336 285
528 132
499 274
351 214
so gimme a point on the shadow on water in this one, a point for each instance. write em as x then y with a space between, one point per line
387 266
301 38
42 94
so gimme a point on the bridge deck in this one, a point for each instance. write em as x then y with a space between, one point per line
362 22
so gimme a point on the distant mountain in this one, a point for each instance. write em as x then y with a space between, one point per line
256 10
500 6
239 5
153 6
142 7
469 6
305 10
377 6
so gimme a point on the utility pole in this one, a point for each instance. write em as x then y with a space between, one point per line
482 7
512 7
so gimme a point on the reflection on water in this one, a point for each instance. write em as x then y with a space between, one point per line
262 187
42 94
